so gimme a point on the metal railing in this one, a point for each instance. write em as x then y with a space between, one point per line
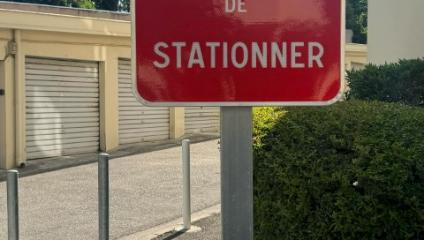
12 178
12 204
186 185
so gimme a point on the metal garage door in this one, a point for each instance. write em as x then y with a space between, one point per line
62 107
138 123
202 120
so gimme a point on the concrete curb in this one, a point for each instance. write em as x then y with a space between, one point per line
171 226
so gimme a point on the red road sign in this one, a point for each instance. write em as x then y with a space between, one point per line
238 52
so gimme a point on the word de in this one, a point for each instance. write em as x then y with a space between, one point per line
235 6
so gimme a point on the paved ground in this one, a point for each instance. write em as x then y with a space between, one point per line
57 163
211 230
145 192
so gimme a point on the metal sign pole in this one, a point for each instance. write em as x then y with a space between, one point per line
186 185
103 182
12 204
236 173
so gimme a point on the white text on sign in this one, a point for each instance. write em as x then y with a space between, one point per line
235 6
240 55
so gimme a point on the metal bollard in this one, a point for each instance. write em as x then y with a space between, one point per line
103 182
186 184
12 204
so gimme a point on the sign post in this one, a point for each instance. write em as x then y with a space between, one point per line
236 173
236 54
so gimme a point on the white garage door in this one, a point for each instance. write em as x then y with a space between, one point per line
203 120
138 123
62 107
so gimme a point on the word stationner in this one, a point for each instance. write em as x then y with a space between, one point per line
239 55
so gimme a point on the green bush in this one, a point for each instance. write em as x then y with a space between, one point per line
354 170
398 82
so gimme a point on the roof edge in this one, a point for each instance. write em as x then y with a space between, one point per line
41 8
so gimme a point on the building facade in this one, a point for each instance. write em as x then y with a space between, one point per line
66 82
395 30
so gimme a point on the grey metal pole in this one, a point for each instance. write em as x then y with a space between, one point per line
12 204
103 174
186 184
236 173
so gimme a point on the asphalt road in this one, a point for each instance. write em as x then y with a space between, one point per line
145 192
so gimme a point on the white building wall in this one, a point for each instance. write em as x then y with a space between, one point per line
396 30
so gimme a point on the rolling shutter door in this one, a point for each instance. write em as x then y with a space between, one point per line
202 120
138 123
62 107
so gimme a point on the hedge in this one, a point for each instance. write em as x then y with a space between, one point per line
398 82
354 170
